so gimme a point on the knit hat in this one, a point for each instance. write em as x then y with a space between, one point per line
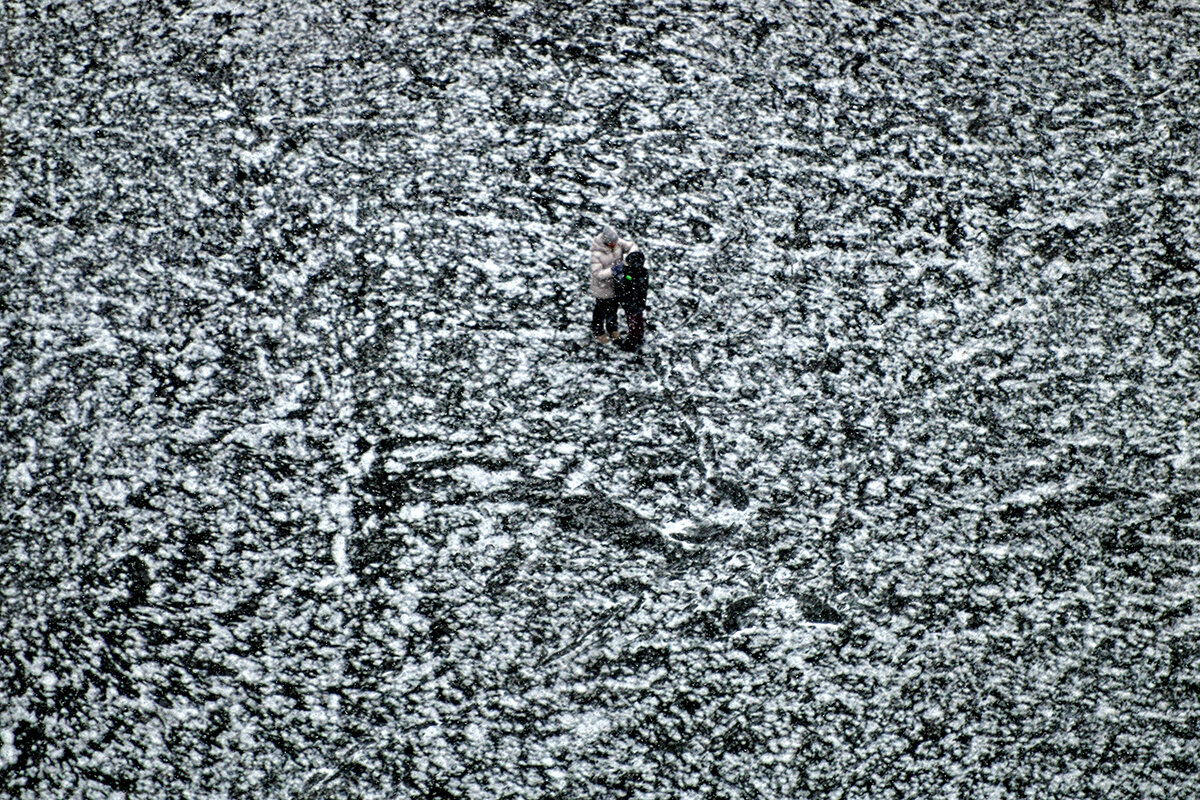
609 235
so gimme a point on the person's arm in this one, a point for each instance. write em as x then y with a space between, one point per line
600 270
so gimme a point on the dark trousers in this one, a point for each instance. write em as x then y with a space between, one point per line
637 327
604 316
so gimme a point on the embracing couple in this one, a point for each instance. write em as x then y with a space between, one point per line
618 280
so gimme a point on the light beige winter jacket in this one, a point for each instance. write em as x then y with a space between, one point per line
603 260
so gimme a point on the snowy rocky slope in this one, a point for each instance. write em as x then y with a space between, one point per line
313 485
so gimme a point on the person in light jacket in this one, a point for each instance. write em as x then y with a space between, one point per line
608 251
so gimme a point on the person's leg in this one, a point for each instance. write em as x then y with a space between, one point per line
598 313
604 319
637 329
610 319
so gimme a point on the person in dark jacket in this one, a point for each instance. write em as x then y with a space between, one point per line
631 283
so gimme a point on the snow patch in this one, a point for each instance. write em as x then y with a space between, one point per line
340 560
112 492
413 513
20 477
588 725
8 750
482 480
491 268
679 528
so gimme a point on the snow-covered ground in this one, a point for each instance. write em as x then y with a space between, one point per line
314 485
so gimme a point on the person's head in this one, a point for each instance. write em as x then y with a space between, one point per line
609 236
635 259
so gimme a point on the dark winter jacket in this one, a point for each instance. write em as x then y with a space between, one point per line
631 289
